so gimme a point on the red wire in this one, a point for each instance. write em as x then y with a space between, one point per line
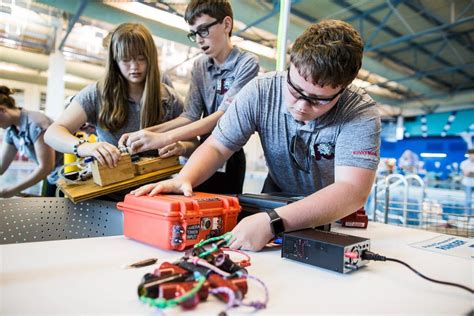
243 263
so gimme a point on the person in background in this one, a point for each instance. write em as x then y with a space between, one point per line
216 78
320 135
409 162
467 168
24 133
129 97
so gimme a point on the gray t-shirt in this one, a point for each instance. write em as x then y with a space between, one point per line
214 86
90 100
32 125
348 135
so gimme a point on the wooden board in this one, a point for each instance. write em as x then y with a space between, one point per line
104 175
89 190
147 165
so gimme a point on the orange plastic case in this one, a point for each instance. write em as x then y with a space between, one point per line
175 221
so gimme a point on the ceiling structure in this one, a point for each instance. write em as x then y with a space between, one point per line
418 53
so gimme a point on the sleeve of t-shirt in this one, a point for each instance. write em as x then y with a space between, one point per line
358 143
239 122
194 103
247 70
34 131
38 123
89 99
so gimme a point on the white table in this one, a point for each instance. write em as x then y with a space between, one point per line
86 276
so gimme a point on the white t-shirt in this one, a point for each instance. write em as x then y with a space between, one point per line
468 166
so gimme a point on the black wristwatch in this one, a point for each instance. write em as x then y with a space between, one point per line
276 223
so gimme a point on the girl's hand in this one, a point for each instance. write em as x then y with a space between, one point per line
105 153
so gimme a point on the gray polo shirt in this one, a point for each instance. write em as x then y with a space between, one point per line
214 86
32 125
348 135
90 100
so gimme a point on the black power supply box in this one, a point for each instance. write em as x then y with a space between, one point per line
329 250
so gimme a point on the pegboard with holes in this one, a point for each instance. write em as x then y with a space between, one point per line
43 219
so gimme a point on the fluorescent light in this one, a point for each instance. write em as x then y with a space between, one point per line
254 47
151 13
433 155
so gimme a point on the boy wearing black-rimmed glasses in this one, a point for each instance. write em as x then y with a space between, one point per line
216 78
320 135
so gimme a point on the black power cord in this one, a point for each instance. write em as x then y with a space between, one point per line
368 255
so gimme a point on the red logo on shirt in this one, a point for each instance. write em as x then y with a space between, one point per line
365 153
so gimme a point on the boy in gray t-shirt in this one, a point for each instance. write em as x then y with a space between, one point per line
319 133
216 78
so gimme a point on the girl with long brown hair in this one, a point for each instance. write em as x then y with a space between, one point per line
130 97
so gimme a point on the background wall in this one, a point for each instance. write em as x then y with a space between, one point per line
458 121
453 146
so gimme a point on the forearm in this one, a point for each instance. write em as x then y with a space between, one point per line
4 166
60 138
7 154
40 173
204 162
175 123
202 127
323 207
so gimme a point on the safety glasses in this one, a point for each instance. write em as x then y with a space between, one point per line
299 95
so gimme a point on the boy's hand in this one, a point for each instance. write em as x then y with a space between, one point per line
174 185
252 233
105 153
142 140
175 149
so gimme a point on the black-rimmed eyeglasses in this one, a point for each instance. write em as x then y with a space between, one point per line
202 31
299 95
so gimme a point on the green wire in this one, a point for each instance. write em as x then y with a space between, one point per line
164 303
227 236
207 252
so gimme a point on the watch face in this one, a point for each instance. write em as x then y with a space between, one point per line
276 223
278 227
